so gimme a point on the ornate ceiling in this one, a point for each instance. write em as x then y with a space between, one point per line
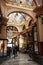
30 2
18 19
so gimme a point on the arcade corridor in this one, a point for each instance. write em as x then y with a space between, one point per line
21 29
21 59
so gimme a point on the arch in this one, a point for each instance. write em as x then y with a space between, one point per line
28 12
12 28
21 12
31 14
15 28
16 12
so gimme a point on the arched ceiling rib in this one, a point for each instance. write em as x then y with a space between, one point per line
22 31
29 13
13 28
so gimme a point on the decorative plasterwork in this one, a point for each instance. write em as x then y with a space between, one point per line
24 2
18 20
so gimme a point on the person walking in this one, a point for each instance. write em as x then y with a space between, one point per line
15 50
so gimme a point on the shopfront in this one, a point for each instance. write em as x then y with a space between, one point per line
3 47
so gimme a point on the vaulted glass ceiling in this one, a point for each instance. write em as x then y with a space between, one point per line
17 19
17 16
30 2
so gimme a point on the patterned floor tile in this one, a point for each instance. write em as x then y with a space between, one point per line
21 59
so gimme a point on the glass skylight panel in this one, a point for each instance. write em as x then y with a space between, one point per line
19 17
30 2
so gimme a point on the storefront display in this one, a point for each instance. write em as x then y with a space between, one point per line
3 47
35 40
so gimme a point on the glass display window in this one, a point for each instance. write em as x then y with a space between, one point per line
3 47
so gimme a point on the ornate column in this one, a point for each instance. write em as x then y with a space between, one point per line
40 36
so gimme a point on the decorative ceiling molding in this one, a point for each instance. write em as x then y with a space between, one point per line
31 8
29 2
30 14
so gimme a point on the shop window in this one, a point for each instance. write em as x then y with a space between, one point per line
35 39
3 47
0 18
42 20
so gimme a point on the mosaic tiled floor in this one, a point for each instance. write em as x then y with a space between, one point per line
21 59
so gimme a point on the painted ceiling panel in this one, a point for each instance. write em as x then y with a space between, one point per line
30 2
